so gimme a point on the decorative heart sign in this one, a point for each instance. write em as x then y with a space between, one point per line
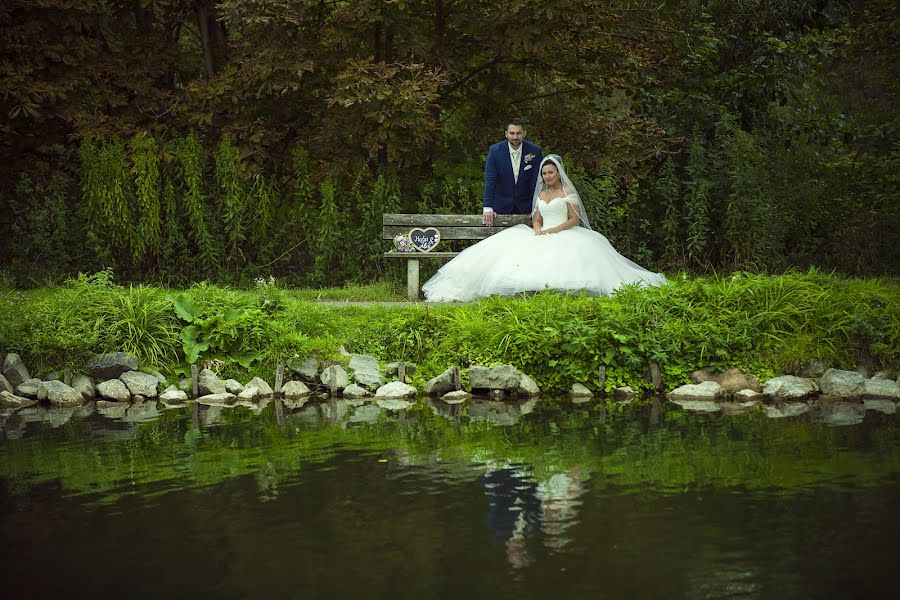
424 239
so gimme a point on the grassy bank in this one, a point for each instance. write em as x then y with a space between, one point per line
764 324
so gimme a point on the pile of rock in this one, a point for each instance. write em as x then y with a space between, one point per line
734 391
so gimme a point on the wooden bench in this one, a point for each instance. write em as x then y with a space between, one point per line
450 227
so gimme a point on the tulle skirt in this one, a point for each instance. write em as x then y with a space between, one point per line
515 260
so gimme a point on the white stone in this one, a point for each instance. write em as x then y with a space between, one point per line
59 394
173 394
250 392
223 399
579 391
395 389
789 387
527 386
882 389
846 384
708 390
233 386
140 384
356 391
113 389
294 389
456 396
259 383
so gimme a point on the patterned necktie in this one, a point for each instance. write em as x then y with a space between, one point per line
515 164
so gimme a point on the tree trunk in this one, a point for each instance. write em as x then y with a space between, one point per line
205 45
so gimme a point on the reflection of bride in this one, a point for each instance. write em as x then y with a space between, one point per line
560 252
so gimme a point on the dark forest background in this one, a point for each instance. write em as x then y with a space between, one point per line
176 141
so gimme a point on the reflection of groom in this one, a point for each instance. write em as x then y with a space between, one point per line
510 173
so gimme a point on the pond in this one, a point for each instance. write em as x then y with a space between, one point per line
543 499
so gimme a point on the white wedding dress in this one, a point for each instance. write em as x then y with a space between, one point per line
516 260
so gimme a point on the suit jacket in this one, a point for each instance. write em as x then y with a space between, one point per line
502 192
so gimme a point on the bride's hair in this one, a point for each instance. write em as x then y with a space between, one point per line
541 185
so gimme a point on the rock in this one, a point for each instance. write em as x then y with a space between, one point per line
366 370
502 377
731 380
5 385
844 384
83 384
185 385
788 409
209 383
696 405
113 389
10 400
295 389
393 403
250 392
52 376
60 394
343 351
111 365
441 384
623 394
160 378
887 407
14 370
41 392
579 391
137 399
707 390
356 391
259 383
173 394
29 388
222 399
789 387
527 386
747 395
886 374
113 410
813 369
140 384
881 389
395 389
393 369
233 386
335 375
456 396
307 369
840 413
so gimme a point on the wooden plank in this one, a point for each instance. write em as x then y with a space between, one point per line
418 255
447 233
423 220
412 279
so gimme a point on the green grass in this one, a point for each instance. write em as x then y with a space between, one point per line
761 324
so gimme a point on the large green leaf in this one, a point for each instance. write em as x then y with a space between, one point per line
184 307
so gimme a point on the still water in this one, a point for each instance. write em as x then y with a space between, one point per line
544 499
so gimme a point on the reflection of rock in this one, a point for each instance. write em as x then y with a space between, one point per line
367 413
498 413
211 415
697 405
840 413
393 403
527 406
58 416
787 409
84 411
887 407
295 402
139 413
112 410
738 408
443 409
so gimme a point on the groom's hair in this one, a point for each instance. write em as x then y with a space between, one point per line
515 121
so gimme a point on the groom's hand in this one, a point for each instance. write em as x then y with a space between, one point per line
488 218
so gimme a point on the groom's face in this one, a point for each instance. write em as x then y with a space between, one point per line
514 135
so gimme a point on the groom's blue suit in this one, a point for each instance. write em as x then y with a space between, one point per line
502 192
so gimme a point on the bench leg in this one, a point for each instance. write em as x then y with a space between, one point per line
412 279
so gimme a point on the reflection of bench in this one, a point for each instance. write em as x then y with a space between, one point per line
451 227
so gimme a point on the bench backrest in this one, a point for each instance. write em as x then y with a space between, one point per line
451 227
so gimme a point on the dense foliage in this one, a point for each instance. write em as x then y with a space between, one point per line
762 324
227 140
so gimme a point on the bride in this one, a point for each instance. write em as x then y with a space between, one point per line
560 252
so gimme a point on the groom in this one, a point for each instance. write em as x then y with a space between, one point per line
510 174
